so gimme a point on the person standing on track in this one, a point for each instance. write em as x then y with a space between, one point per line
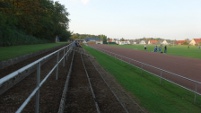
145 47
165 49
156 49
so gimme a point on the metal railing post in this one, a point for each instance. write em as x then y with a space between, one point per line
37 85
66 53
161 74
64 58
141 67
57 69
195 97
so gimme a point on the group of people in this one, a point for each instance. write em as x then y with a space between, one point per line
77 44
158 49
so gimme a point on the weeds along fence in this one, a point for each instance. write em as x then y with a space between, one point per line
13 78
184 82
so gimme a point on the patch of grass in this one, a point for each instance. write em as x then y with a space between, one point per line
178 50
15 51
152 95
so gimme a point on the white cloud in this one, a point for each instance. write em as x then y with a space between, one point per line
84 1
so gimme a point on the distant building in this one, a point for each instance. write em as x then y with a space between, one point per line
180 42
80 40
195 41
110 40
164 42
142 42
134 42
99 42
93 40
123 42
152 41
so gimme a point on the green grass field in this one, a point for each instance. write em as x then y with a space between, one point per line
151 94
15 51
178 50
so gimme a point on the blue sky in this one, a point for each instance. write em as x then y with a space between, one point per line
132 19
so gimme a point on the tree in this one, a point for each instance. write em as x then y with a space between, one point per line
122 39
44 19
103 38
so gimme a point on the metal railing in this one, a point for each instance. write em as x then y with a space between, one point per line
184 82
36 92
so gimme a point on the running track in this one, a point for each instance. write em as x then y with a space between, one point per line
187 67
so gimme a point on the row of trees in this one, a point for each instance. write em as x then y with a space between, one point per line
22 21
84 36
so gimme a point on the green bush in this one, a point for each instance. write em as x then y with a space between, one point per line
10 35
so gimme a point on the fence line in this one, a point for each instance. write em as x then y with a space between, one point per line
142 65
36 92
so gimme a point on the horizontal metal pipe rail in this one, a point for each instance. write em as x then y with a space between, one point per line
67 50
120 57
15 73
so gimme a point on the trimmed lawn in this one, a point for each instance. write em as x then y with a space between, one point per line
16 51
151 94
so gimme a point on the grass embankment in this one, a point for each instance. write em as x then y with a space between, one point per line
151 94
15 51
178 50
